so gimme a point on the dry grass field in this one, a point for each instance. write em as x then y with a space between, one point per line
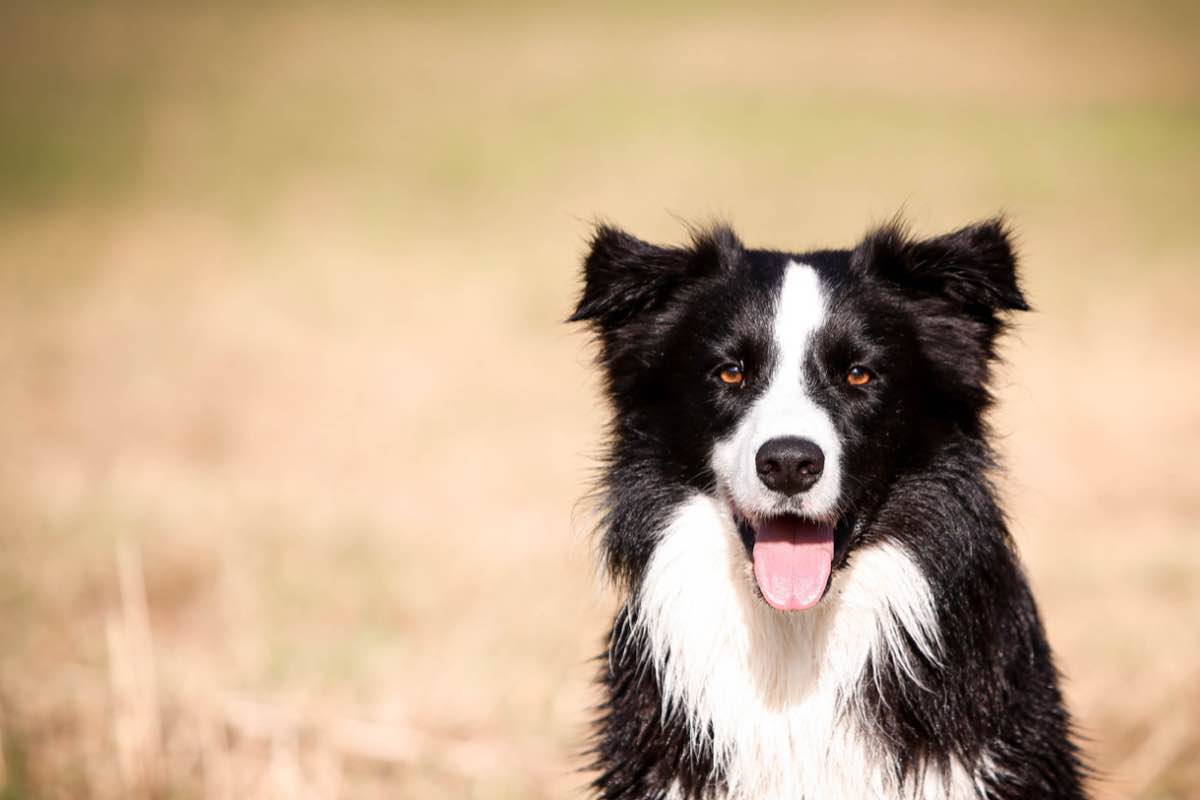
292 438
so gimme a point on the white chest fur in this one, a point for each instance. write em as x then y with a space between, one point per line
773 688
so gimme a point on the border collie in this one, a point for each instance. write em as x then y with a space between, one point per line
821 597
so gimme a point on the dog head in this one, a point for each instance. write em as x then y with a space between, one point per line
794 388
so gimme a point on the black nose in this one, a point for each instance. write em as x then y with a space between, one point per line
789 464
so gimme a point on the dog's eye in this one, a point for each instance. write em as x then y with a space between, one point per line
858 375
731 374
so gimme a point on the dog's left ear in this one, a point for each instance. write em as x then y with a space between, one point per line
963 285
974 267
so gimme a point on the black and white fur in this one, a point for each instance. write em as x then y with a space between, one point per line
923 671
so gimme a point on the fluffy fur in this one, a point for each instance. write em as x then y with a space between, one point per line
923 670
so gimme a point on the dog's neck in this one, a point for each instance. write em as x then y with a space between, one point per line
773 696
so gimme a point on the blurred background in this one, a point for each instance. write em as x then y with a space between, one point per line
292 438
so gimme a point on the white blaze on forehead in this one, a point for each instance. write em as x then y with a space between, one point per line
786 408
800 311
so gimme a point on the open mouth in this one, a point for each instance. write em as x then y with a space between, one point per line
793 557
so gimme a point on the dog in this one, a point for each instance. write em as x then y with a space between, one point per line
821 598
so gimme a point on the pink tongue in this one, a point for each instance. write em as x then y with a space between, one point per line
792 562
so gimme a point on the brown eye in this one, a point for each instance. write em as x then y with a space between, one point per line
859 375
731 375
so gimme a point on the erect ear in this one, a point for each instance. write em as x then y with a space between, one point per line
625 277
975 267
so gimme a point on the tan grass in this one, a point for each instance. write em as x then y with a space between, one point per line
292 438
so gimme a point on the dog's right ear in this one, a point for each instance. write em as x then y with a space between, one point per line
623 276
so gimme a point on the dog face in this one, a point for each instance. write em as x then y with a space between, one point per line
798 389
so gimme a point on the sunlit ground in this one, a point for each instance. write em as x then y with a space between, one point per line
292 437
